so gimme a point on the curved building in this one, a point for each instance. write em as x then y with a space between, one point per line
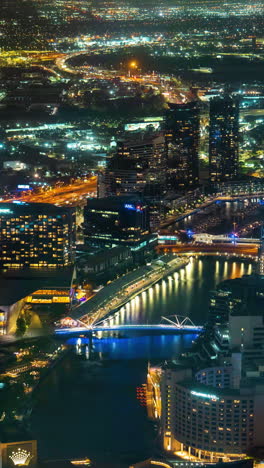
209 422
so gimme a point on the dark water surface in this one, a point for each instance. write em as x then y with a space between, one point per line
88 408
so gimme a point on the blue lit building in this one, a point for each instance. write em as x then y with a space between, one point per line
182 142
223 139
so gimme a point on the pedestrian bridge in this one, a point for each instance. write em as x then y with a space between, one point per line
175 323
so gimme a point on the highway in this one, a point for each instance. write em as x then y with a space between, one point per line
74 194
157 82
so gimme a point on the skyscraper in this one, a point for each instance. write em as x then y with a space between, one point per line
182 141
223 139
138 167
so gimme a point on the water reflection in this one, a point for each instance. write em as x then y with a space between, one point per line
186 292
152 347
80 412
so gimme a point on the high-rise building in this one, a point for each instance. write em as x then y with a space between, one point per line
223 139
35 235
182 141
230 295
206 416
119 221
138 167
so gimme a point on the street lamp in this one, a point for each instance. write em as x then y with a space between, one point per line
133 65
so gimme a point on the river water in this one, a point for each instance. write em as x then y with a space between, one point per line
88 406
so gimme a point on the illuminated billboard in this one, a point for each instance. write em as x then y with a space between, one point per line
133 127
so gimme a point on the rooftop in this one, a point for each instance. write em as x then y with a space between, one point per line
19 284
114 202
18 207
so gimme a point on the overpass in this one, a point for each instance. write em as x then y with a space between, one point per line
174 323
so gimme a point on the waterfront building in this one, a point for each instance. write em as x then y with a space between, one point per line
211 406
231 295
36 235
209 422
42 292
182 141
252 188
119 221
223 139
166 462
104 263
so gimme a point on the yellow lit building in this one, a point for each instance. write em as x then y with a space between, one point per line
35 235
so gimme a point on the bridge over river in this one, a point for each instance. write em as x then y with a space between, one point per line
249 250
171 324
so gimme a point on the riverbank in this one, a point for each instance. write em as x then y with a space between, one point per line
122 290
92 397
28 364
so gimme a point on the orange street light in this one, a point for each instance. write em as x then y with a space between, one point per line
133 64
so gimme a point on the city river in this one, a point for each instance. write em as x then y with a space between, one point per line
89 407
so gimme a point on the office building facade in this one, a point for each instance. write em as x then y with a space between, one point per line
182 142
223 139
35 235
116 221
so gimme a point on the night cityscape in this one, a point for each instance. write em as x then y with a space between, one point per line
131 234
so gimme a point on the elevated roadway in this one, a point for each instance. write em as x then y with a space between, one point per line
73 194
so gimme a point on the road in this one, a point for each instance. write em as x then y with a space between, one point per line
74 194
157 82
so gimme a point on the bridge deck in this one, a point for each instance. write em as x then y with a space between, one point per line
140 327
